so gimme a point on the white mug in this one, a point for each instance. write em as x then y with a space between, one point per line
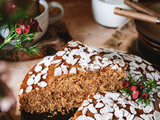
103 12
44 19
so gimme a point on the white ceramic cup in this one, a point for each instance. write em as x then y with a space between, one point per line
103 12
44 19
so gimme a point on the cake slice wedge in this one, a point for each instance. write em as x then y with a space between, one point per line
64 80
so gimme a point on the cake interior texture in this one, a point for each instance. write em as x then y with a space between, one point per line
64 80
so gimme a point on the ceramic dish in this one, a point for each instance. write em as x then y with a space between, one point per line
149 30
149 39
149 54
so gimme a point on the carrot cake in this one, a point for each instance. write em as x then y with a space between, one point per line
64 80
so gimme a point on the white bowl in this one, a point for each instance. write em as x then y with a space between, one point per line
103 11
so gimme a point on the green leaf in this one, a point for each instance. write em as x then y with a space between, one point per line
33 50
147 102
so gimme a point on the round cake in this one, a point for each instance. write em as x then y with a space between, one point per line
80 73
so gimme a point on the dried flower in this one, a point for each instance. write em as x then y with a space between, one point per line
35 25
145 96
23 36
125 84
24 27
140 87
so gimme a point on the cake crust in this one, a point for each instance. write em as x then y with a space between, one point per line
67 78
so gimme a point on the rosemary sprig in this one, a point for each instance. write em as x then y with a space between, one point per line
139 90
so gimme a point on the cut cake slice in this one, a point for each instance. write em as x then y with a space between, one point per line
119 105
64 80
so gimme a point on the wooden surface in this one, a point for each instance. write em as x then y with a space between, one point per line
5 116
56 36
81 25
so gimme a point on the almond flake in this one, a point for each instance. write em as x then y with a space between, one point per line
20 91
28 89
92 108
37 78
42 84
60 53
99 105
73 70
156 115
38 68
30 81
58 71
85 103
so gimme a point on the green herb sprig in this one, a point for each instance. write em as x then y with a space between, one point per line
22 34
139 90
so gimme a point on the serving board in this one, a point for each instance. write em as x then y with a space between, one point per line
56 36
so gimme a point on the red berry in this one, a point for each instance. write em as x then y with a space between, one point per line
133 88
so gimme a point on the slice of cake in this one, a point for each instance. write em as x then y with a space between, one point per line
64 80
118 105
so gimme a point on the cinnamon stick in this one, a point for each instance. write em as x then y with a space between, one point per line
138 6
136 15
